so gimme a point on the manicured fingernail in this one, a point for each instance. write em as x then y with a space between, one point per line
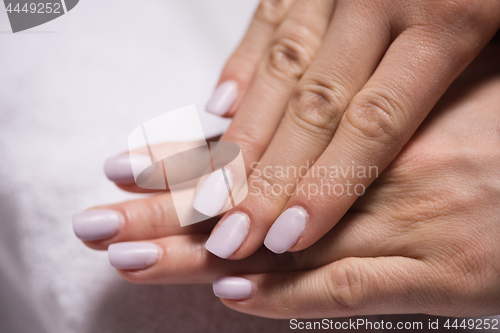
223 97
229 236
286 230
133 255
213 194
119 168
231 287
97 224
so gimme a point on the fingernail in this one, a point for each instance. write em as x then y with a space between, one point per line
213 194
119 168
229 236
133 255
223 97
231 287
286 230
97 224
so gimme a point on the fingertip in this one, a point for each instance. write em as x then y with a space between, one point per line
97 224
134 255
287 229
234 288
118 169
229 235
223 98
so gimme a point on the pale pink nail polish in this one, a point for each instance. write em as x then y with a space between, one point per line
231 287
286 230
229 236
223 98
97 224
213 194
133 255
119 168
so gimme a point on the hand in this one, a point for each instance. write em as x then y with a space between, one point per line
341 84
423 239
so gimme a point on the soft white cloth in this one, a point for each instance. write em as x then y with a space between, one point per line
70 92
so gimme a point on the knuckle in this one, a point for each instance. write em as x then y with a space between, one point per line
157 214
273 11
346 285
288 58
318 106
376 116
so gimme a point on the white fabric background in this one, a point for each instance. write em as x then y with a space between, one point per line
70 92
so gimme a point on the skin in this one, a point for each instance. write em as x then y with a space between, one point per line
339 83
423 238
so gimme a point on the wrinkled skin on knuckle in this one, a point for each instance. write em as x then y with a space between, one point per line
317 107
157 214
288 58
294 48
346 286
377 117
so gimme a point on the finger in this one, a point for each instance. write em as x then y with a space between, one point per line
292 48
156 216
140 219
179 259
381 118
240 68
294 45
350 52
118 169
183 258
348 287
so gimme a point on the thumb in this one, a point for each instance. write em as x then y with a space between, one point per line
348 287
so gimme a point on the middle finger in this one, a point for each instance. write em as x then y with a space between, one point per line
353 46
